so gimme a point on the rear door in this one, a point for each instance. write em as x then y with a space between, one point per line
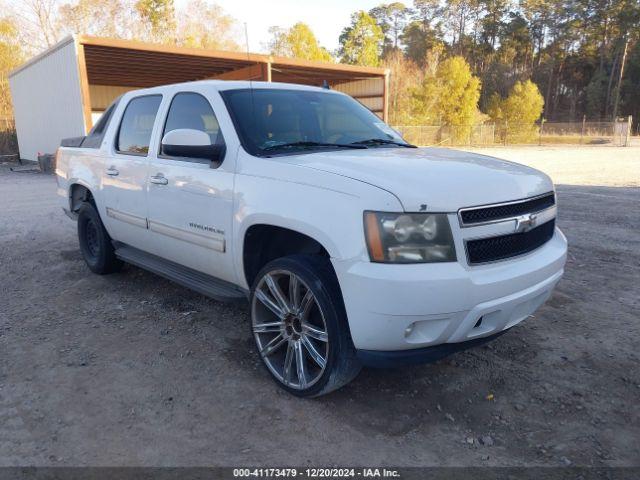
190 200
125 175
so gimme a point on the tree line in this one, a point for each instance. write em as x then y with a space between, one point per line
453 62
31 26
563 60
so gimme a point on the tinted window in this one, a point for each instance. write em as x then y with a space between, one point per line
137 124
193 111
95 136
269 121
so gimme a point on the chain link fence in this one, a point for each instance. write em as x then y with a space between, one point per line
8 139
544 133
487 134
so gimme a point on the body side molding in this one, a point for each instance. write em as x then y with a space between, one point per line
127 218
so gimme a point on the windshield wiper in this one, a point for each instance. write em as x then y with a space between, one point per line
382 141
312 144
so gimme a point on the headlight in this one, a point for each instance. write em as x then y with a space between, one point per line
409 237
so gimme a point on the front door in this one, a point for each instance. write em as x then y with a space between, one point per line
190 199
125 176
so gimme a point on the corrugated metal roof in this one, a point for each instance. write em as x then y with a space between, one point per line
128 62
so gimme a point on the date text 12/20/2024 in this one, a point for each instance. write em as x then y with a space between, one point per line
315 473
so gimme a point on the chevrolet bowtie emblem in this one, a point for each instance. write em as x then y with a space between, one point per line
524 223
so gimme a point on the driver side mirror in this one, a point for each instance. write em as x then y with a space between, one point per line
190 143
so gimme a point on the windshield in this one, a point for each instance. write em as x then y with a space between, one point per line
276 121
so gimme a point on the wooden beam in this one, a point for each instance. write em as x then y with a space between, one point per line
284 62
364 97
266 71
135 47
84 86
252 72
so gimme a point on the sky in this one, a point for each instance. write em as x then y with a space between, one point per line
326 18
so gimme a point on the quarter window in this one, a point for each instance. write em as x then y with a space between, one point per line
95 136
193 111
134 135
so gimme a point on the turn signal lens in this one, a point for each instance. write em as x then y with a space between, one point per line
374 241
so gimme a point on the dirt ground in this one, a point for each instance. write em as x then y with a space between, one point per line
578 165
130 369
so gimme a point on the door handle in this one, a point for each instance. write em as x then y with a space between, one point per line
159 179
112 171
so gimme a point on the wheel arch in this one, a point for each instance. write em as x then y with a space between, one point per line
78 193
265 240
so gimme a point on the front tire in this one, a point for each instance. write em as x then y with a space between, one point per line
95 242
300 326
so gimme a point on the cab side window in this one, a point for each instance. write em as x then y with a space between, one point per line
95 136
136 126
193 111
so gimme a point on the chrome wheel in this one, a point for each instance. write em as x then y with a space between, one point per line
290 329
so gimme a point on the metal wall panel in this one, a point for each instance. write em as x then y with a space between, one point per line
367 86
369 92
47 102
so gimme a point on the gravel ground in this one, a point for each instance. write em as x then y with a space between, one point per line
130 369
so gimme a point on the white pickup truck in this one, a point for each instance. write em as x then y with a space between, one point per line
353 247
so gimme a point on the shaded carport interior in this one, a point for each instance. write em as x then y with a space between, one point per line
110 67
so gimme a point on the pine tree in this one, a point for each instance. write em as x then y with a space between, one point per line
298 41
361 42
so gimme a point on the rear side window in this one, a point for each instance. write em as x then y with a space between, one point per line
136 126
192 110
95 136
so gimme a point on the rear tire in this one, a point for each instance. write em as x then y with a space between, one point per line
95 243
300 327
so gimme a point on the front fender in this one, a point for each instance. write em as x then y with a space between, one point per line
327 208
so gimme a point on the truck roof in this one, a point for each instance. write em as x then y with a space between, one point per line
221 85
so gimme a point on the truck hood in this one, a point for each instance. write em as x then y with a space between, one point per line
444 180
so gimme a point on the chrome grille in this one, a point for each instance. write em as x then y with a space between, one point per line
499 212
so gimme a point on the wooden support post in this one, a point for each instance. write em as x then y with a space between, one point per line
84 86
385 97
266 71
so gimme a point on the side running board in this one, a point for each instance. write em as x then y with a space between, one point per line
200 282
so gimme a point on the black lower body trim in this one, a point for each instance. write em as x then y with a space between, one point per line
399 358
200 282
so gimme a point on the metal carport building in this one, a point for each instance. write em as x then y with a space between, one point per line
60 92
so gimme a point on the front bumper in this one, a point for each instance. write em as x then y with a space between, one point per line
404 307
399 358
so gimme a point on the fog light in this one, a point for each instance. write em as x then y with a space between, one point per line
408 330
